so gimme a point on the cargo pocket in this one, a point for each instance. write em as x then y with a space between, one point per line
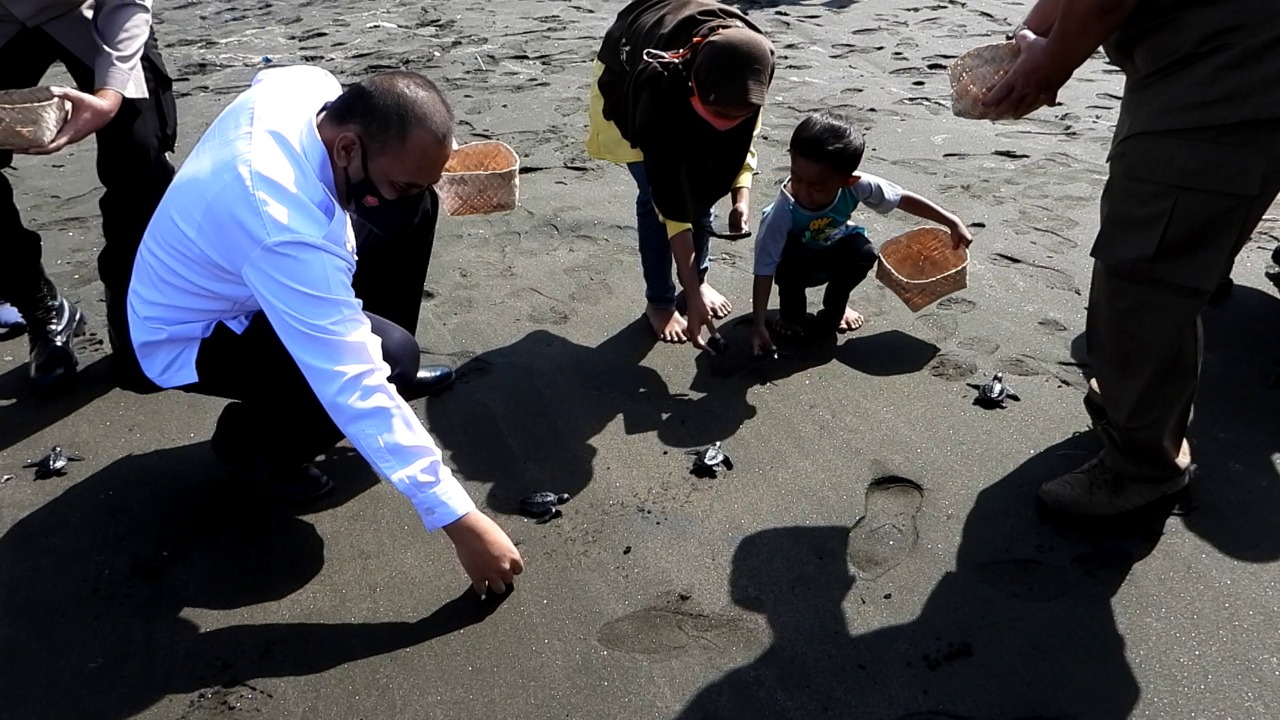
1174 208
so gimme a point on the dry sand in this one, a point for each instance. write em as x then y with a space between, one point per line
137 586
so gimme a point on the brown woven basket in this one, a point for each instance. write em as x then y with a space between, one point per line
922 266
976 72
30 117
480 177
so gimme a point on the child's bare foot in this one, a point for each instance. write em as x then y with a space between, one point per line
851 321
717 304
668 324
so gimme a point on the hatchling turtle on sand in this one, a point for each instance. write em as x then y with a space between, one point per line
994 392
708 460
542 505
52 465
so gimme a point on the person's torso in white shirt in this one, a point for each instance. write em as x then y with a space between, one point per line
259 171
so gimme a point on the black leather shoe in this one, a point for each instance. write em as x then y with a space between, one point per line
431 380
53 360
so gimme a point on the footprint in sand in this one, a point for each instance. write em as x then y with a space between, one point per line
978 344
887 534
668 629
957 305
938 327
952 367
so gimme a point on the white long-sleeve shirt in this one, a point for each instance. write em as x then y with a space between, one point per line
252 224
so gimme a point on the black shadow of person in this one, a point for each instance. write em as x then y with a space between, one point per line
725 381
1021 629
93 584
523 416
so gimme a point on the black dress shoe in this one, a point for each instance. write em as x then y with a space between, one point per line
432 379
55 324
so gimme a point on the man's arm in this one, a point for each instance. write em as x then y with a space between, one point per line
1046 63
304 287
1042 16
121 28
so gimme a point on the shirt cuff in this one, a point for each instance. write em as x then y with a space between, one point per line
447 502
675 228
748 171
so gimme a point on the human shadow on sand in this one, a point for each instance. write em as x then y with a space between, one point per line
725 381
523 416
1235 430
31 413
1021 629
94 583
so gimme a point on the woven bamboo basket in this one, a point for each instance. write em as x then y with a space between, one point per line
922 266
480 177
30 117
976 72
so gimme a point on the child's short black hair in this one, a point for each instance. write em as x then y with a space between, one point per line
829 139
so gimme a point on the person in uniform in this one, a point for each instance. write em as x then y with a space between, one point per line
252 283
125 98
1194 165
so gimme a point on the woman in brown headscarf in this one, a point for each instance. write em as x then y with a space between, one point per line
677 97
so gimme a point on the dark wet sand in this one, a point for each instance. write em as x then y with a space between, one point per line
139 586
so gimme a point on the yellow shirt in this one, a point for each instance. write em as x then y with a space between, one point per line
604 142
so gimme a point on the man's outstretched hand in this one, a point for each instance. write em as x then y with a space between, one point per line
487 555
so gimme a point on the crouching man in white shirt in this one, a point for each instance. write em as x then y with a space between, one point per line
243 288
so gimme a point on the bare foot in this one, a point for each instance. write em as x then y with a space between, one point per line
667 323
852 320
716 303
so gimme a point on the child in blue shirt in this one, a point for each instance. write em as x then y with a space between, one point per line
808 238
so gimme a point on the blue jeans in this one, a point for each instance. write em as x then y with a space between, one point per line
655 247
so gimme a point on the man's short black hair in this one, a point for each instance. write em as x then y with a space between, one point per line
829 139
388 106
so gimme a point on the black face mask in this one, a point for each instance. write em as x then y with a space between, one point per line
384 216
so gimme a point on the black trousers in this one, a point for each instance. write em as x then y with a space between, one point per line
133 166
277 423
842 266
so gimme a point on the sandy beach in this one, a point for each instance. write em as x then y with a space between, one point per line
141 586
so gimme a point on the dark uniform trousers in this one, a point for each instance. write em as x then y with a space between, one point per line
1177 208
133 166
277 423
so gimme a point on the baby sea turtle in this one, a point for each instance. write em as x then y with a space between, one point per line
542 505
994 392
709 459
52 465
